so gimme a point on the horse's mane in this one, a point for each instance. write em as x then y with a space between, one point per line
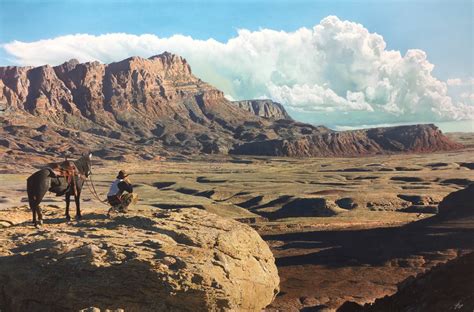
83 164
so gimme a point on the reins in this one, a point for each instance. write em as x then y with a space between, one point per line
94 192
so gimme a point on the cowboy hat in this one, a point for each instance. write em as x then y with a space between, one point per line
122 174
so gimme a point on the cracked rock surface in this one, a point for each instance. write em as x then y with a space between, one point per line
179 260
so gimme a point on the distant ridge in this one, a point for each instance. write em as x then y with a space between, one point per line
141 107
264 108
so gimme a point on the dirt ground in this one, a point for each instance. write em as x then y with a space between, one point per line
340 228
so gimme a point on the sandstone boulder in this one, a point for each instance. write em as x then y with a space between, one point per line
180 260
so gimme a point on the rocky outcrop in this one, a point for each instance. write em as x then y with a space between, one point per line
155 102
120 92
181 260
264 108
446 287
157 106
458 204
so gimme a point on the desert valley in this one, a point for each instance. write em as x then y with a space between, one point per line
241 208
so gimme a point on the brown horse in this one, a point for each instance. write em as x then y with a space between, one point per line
66 178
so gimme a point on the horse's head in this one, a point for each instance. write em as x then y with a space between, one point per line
84 164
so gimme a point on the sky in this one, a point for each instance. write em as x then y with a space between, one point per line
346 64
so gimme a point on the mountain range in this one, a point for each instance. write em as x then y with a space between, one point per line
142 107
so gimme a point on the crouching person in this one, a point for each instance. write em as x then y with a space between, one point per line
121 194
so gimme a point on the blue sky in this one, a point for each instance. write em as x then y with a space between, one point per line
442 29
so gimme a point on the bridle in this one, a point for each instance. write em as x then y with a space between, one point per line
91 187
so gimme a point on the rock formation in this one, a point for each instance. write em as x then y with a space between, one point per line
182 260
264 108
417 138
458 204
146 107
446 287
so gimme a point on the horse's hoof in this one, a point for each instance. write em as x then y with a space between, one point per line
40 222
68 218
78 218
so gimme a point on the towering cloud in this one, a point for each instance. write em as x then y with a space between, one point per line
336 73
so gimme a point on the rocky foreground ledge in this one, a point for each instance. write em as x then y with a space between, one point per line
180 260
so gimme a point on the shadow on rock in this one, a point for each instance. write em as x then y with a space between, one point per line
373 246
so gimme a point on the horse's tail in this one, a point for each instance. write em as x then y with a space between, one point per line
36 186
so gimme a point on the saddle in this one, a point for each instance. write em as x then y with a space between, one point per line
66 169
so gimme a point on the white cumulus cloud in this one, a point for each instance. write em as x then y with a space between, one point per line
334 73
454 82
462 91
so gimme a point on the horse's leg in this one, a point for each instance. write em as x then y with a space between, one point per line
77 198
33 207
40 215
31 196
36 186
33 210
42 192
68 201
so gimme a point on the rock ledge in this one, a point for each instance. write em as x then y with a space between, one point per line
180 260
